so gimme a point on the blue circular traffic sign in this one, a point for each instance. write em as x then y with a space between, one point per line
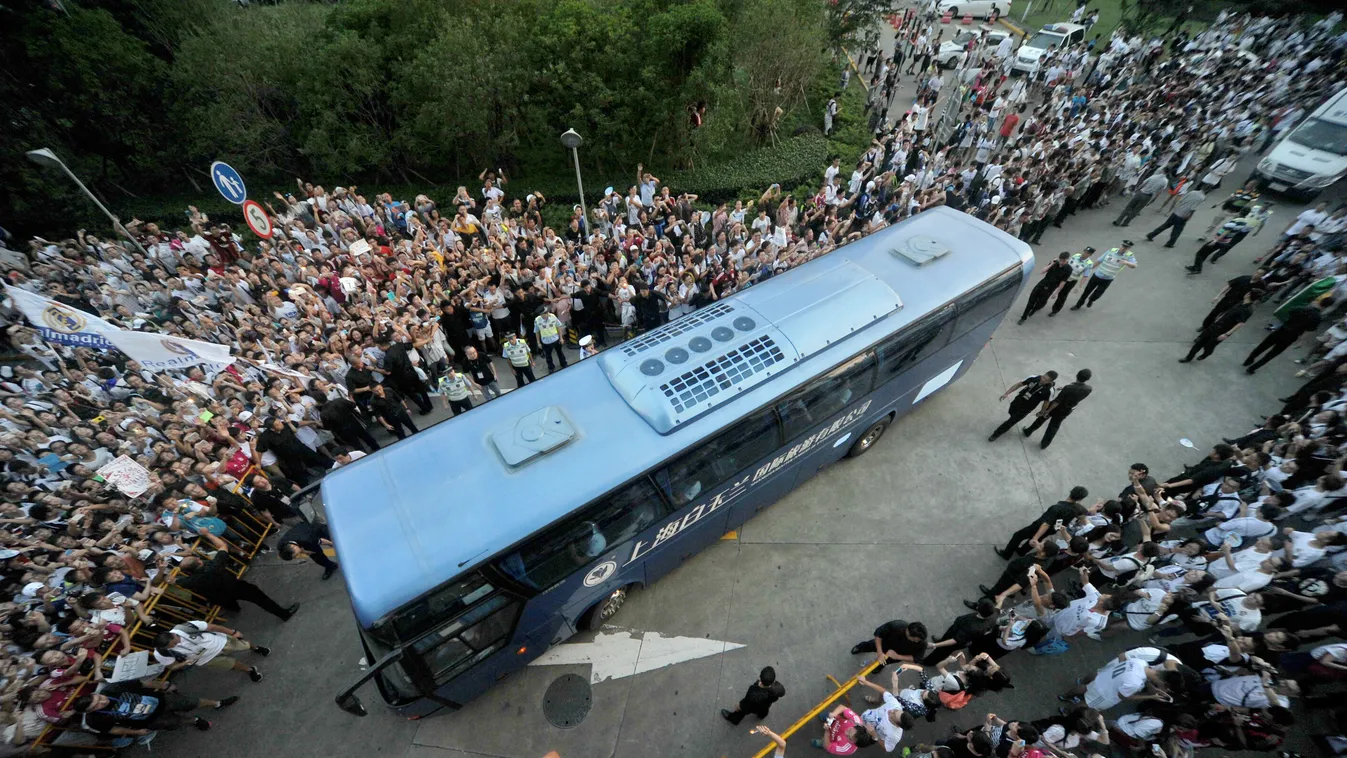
228 182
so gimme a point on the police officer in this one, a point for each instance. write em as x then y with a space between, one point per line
1105 271
1081 267
1054 274
548 328
1034 392
521 360
1060 407
454 390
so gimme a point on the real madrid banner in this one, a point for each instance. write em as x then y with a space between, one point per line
58 322
159 352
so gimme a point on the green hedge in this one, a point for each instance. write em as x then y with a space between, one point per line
796 161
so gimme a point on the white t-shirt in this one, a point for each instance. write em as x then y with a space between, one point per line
1249 528
1114 682
200 648
1139 610
1244 560
1231 602
1079 617
1243 692
1309 217
1304 553
1248 581
878 719
1140 726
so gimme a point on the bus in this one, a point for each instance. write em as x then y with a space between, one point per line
472 547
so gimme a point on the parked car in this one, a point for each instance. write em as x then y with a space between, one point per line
950 48
975 8
1050 37
1313 155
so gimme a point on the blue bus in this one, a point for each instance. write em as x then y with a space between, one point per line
471 548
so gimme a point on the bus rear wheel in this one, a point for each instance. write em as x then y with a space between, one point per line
605 609
868 440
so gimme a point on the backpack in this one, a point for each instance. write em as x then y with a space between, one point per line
955 700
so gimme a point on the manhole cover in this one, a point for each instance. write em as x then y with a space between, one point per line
567 701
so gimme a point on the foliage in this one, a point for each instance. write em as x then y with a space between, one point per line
139 96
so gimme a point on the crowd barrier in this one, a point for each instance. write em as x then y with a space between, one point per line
812 715
175 605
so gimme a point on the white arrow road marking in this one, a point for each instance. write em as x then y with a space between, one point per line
620 655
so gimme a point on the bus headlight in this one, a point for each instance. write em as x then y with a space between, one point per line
1266 166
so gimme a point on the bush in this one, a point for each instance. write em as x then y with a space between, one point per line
798 161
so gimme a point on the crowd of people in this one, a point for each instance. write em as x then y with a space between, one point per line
363 307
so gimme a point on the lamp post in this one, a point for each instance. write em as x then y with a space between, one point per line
572 139
45 157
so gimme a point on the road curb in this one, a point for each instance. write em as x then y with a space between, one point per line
1012 27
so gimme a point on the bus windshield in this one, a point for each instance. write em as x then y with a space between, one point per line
1323 135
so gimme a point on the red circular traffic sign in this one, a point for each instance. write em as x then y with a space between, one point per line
257 218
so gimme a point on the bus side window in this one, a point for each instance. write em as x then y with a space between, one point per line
901 351
719 458
987 301
826 396
561 550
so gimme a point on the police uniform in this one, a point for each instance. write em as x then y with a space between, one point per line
521 361
454 387
1081 268
1108 267
548 328
1031 396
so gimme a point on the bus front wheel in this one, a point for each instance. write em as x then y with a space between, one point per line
868 440
605 609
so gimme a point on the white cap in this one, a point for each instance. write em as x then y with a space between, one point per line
607 191
32 588
245 416
586 341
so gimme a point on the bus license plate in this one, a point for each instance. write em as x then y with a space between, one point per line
1277 186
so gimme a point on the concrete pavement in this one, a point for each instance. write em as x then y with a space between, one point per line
904 532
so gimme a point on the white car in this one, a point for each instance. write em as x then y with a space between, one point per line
975 8
950 48
1313 155
1050 37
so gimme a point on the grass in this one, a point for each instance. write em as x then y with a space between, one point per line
1057 11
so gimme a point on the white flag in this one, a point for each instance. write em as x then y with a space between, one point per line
160 352
58 322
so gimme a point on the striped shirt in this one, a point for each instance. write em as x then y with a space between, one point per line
1112 262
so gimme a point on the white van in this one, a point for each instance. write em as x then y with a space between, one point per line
975 8
1313 155
1050 37
951 48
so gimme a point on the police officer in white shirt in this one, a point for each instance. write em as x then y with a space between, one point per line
1106 270
548 328
521 360
454 389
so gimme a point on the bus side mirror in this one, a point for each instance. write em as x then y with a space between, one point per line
347 701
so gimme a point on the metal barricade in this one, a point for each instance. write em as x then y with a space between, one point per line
174 604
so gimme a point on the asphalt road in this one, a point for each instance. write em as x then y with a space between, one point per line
904 532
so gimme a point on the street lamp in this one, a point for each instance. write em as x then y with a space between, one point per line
572 140
45 157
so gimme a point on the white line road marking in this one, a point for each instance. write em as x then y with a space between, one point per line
620 655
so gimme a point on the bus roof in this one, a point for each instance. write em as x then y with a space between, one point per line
417 513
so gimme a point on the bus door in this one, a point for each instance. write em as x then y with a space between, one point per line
710 487
826 416
575 563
